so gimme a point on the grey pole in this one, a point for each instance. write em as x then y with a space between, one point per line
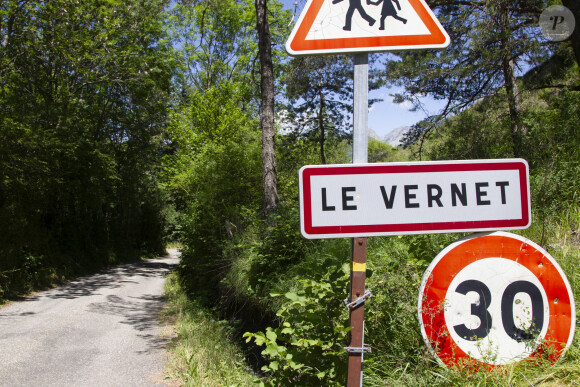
360 142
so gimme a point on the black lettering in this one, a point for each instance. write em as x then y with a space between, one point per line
478 309
558 19
409 196
458 194
389 200
325 206
502 185
431 197
507 311
346 198
480 194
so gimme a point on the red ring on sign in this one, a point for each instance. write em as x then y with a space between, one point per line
496 245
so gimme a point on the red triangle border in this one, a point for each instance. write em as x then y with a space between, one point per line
298 45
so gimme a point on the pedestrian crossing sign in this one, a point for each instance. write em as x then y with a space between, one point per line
346 26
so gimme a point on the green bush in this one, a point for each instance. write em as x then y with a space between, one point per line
307 348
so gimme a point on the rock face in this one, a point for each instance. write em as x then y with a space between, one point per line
394 137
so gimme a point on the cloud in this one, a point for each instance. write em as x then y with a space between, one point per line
406 105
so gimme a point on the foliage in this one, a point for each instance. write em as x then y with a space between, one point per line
490 40
379 151
319 92
555 141
307 348
481 132
84 87
282 247
214 174
216 41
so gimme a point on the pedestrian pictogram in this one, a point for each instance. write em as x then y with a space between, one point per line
494 299
343 26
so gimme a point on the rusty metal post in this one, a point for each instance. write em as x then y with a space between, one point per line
356 314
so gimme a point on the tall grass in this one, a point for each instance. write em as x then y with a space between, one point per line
203 353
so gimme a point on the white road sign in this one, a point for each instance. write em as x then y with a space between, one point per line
413 198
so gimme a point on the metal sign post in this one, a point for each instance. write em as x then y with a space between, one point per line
357 348
326 27
360 113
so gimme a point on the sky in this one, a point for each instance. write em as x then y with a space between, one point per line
386 115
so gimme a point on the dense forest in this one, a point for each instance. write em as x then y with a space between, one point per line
126 126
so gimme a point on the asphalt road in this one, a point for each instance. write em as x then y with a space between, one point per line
99 330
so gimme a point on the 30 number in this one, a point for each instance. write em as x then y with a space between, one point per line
507 310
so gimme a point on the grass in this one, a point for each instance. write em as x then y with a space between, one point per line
203 353
403 363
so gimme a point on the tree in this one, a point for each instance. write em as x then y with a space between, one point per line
319 92
490 40
216 41
269 179
84 89
574 6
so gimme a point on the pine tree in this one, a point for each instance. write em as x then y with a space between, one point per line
490 41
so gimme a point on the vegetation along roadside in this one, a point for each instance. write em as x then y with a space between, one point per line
126 125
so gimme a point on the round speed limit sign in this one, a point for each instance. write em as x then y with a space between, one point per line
495 299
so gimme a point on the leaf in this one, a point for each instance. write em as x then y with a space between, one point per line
291 296
270 334
259 338
271 349
274 365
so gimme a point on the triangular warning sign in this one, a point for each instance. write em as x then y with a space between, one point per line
343 26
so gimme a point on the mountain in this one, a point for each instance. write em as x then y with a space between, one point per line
394 137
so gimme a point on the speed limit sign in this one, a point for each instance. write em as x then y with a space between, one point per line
495 299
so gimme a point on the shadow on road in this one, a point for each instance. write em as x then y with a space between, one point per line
113 278
131 306
139 312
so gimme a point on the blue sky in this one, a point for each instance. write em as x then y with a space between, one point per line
385 116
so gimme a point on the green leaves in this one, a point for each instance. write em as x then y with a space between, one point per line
307 347
84 92
487 39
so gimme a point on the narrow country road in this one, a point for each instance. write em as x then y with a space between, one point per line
98 330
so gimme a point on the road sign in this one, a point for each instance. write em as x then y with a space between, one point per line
346 26
351 200
493 299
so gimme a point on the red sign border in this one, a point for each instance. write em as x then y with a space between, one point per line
310 231
458 255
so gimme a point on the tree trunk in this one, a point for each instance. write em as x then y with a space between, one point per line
515 106
574 6
511 86
321 127
267 113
